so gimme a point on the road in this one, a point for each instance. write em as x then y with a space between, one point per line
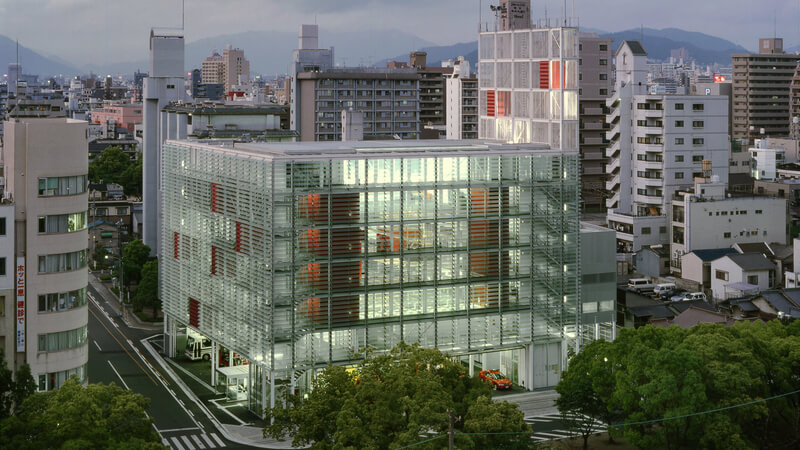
542 415
116 354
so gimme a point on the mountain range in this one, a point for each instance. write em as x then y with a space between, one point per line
270 52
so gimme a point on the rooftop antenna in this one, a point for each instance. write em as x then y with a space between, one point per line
565 12
183 14
480 10
17 53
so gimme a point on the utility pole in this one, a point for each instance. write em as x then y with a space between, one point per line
451 437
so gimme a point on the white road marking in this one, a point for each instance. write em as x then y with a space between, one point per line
97 345
527 419
180 429
208 441
176 443
187 442
216 438
120 376
198 441
552 435
165 442
222 408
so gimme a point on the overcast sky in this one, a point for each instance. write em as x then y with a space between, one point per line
98 31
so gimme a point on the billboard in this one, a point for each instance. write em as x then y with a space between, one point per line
20 287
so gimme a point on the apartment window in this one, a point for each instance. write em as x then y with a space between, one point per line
62 340
697 175
62 223
603 91
758 211
3 266
698 107
679 123
678 175
603 62
122 211
678 158
726 235
679 106
603 76
752 279
62 301
62 262
646 230
742 213
678 141
54 380
698 141
2 305
697 158
662 230
724 213
721 275
60 186
697 124
603 47
2 226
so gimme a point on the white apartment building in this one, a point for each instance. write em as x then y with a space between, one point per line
792 279
462 102
308 57
706 219
764 160
658 145
46 177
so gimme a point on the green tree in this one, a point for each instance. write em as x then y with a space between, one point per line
392 400
147 290
134 256
109 166
585 390
74 416
99 256
131 178
14 387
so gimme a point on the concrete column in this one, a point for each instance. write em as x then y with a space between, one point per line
471 365
214 363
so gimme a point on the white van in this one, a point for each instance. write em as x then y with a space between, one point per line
640 285
198 347
689 296
664 288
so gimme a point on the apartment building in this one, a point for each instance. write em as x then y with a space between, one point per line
462 102
46 179
658 144
229 69
298 255
761 91
595 87
125 115
432 93
705 218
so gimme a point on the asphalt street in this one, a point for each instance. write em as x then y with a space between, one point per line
118 356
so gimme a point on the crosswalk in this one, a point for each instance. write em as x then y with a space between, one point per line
549 427
193 441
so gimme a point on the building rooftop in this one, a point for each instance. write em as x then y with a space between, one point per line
710 254
207 108
635 46
382 149
752 261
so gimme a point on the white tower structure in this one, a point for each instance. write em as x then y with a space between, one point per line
165 84
307 58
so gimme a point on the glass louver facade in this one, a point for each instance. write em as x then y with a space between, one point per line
296 256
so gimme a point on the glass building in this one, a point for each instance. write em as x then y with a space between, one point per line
298 255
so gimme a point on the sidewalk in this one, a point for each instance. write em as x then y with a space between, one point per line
130 319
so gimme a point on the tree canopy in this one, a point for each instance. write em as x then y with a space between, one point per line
659 384
74 416
147 290
113 165
395 399
14 387
134 256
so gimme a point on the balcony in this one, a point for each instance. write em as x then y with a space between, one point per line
613 150
612 183
592 112
613 166
613 201
592 141
592 125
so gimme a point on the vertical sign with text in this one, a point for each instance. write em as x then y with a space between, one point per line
20 288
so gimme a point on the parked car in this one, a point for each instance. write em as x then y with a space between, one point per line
669 294
662 289
496 378
689 296
640 285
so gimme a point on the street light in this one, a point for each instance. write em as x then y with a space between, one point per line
121 276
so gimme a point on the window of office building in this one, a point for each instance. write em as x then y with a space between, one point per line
62 301
60 186
62 223
62 340
62 262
